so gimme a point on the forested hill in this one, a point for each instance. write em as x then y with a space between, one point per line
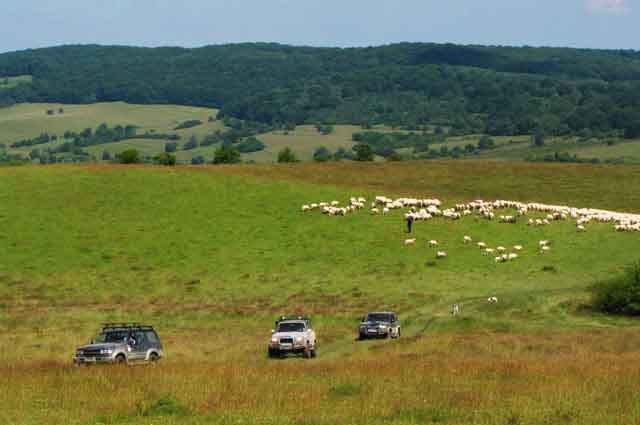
499 90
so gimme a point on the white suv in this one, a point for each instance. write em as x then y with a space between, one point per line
293 335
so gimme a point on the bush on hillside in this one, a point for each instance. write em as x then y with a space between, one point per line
287 155
620 294
130 156
251 144
322 154
164 158
226 155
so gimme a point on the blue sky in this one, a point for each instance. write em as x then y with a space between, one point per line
575 23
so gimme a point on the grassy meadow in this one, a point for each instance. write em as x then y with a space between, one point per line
211 255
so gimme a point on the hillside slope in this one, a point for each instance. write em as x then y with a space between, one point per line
212 255
474 89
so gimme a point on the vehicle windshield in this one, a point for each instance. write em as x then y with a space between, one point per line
112 336
291 327
378 317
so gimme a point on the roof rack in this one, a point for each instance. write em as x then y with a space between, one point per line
293 317
125 325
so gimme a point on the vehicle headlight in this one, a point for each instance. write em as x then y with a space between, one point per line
274 339
106 351
79 352
383 326
299 339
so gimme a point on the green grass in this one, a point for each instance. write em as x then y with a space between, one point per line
212 255
10 82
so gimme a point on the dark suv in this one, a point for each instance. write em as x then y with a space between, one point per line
379 325
121 343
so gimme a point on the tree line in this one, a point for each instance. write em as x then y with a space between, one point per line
471 89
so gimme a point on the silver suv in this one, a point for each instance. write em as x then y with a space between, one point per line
293 335
384 324
121 343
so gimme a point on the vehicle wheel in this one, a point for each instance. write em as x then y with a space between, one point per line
120 359
153 358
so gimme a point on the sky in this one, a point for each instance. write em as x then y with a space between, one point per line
343 23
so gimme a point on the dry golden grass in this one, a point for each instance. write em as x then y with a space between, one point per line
557 378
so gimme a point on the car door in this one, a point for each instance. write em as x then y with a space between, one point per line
139 350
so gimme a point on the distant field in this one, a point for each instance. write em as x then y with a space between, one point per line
10 82
304 140
30 120
211 255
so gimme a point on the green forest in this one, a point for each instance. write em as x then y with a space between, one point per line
499 91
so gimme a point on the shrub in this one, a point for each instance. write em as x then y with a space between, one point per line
287 155
620 294
165 159
198 160
250 144
188 124
170 147
191 144
363 151
322 154
226 155
130 156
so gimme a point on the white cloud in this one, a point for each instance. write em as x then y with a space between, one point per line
609 7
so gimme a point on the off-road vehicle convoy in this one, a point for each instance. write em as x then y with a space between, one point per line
379 325
122 343
293 335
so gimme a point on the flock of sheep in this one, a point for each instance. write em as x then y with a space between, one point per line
427 209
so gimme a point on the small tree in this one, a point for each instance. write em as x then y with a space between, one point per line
130 156
164 158
191 144
198 160
364 152
486 142
226 155
322 154
287 155
170 147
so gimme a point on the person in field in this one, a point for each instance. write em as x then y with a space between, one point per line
410 223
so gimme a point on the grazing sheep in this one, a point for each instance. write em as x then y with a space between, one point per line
518 248
489 251
441 254
512 257
433 243
306 208
482 245
374 211
492 300
501 249
385 211
581 228
410 242
545 248
467 239
455 310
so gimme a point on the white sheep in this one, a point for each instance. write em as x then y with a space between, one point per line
433 243
467 239
518 248
492 300
410 242
482 245
441 254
